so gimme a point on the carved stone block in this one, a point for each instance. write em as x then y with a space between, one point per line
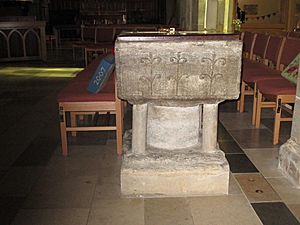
193 70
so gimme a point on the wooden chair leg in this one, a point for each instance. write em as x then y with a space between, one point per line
73 123
119 126
258 109
277 122
254 105
63 131
242 97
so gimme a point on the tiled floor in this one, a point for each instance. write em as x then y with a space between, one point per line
40 187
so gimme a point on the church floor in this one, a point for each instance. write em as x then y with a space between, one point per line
38 186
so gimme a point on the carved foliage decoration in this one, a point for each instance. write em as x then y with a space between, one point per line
151 61
178 60
212 75
150 78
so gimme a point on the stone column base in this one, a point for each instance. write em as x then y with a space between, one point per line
289 161
186 172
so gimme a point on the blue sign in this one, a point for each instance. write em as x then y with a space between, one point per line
102 74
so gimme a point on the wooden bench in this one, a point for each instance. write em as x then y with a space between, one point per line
77 100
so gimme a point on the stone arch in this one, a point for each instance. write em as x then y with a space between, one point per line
32 43
16 43
3 45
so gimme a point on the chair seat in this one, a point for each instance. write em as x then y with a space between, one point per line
277 87
252 76
76 90
250 67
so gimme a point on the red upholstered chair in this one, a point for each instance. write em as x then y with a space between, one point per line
248 40
253 64
105 35
275 94
104 42
92 51
76 100
271 69
88 36
259 48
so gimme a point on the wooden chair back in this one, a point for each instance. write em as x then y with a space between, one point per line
105 34
248 40
260 46
88 33
273 51
290 49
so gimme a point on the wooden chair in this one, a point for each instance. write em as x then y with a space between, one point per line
278 93
92 51
76 100
88 36
249 41
105 35
275 94
268 71
255 46
104 43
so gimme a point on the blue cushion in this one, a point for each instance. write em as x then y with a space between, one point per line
102 73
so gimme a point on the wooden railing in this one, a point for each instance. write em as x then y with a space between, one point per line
22 40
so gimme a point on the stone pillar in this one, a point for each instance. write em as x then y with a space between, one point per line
210 127
139 125
289 153
163 133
